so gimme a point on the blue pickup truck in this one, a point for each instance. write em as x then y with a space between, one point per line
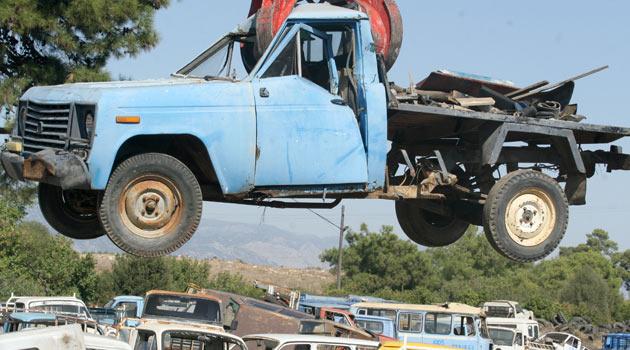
314 118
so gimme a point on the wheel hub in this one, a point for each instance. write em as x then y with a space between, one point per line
530 217
150 207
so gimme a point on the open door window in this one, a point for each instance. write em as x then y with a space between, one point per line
305 52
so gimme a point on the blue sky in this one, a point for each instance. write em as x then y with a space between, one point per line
523 42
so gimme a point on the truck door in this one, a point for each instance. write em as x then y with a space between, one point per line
307 135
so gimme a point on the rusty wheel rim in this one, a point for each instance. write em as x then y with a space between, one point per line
150 206
530 217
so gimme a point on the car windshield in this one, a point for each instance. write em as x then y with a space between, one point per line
222 61
106 317
175 306
503 337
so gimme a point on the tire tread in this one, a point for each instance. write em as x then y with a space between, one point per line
490 211
143 159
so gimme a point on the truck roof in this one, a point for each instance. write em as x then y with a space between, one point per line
448 307
32 316
180 294
29 299
325 11
128 298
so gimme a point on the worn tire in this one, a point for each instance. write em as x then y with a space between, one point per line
152 205
426 228
526 215
68 219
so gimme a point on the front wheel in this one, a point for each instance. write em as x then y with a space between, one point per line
526 215
152 205
427 228
73 213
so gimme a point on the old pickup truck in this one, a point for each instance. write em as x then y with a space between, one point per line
314 118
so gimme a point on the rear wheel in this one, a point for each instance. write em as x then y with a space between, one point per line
72 213
427 228
152 205
526 215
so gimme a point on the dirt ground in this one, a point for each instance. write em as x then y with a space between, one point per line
311 280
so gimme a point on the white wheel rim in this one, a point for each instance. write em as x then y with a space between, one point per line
530 217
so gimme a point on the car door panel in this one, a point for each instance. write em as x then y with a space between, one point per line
306 135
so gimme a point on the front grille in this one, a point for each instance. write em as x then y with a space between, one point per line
46 126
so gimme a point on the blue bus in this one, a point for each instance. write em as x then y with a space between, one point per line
616 341
454 325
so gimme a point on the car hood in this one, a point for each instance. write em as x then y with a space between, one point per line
94 92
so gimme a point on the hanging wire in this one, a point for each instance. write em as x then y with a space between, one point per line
322 217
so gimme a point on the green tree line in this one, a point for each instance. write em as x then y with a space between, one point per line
587 280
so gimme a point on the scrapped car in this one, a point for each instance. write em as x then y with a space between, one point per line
562 341
509 314
244 315
62 305
69 337
305 342
180 335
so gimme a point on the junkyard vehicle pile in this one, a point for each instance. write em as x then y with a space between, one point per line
211 319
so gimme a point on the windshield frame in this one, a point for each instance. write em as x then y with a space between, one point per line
229 40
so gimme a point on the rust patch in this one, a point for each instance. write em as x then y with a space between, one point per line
34 170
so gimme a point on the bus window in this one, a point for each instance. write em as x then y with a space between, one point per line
410 322
391 314
438 323
465 326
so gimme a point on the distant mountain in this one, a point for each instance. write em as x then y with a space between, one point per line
253 244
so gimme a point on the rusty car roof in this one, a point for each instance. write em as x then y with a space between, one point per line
182 294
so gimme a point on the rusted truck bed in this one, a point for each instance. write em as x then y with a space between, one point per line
425 123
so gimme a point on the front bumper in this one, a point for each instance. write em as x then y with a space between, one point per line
59 168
